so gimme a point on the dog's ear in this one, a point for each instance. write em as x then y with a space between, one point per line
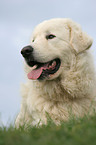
79 40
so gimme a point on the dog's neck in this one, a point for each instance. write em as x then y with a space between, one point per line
62 89
52 90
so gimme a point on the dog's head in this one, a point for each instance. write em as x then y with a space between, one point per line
52 48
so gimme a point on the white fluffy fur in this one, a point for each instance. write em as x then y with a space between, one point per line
72 88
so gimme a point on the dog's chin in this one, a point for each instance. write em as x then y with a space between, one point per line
44 71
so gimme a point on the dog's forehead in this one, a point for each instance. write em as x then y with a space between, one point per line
51 26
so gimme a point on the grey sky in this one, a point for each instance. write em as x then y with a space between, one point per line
17 20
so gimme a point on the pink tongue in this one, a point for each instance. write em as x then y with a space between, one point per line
35 74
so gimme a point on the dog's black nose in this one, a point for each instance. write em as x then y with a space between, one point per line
27 51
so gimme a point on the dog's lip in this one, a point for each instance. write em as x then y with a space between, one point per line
42 70
39 64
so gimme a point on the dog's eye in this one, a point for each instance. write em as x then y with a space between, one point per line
51 36
33 40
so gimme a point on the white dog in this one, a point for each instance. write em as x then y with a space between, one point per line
60 71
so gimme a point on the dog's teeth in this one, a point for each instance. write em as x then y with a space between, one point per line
34 67
54 63
50 66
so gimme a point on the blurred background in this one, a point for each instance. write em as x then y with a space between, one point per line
17 21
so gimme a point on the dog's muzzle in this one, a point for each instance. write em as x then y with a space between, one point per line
41 70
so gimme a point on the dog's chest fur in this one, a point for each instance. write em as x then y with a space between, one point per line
54 100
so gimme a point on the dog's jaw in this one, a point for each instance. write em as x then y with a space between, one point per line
43 71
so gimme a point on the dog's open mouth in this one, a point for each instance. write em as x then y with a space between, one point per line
43 70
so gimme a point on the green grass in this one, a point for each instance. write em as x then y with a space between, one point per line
74 132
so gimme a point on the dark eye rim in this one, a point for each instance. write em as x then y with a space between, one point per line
50 36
